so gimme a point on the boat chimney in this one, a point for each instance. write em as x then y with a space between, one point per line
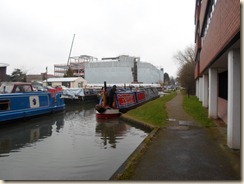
105 86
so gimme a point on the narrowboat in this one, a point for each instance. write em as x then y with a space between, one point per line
18 100
123 101
79 95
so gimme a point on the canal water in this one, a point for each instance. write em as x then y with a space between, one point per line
70 145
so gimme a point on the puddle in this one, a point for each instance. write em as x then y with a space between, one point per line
171 119
186 123
178 127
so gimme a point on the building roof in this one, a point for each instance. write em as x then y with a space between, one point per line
63 79
3 65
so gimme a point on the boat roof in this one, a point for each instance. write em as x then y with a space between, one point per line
9 87
15 83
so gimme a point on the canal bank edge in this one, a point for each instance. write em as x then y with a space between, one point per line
126 169
136 122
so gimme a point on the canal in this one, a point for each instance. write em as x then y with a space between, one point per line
71 145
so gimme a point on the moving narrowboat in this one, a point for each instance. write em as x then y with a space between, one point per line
123 101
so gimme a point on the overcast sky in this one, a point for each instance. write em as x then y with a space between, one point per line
35 34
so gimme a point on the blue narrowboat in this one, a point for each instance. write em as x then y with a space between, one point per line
19 100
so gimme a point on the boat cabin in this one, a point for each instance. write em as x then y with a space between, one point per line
16 87
18 100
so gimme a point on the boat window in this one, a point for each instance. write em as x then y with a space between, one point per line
19 89
6 89
27 88
4 105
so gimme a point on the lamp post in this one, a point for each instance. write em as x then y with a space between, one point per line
46 77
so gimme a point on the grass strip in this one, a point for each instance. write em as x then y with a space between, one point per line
194 107
154 112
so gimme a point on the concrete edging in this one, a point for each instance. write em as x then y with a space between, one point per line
127 163
136 122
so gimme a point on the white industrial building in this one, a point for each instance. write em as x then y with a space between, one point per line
122 69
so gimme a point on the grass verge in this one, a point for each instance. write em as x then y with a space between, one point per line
154 112
194 108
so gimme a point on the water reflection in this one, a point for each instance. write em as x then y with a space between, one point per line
110 131
71 145
15 136
80 110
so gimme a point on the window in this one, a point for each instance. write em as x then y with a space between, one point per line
66 84
208 17
27 88
4 105
223 85
80 85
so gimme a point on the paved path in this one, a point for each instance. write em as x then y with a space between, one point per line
185 151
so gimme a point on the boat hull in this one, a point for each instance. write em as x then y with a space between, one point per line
26 105
79 95
126 109
108 114
81 100
127 100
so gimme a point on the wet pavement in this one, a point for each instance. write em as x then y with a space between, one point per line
186 151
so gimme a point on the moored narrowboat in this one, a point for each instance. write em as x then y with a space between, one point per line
18 100
79 95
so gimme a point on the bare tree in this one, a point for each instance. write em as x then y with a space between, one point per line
186 56
186 69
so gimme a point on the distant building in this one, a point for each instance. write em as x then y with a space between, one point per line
76 63
37 77
3 71
70 82
122 69
218 63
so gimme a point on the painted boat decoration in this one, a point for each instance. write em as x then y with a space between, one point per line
124 100
18 100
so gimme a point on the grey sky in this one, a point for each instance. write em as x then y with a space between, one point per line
36 34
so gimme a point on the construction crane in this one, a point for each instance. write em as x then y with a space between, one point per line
70 50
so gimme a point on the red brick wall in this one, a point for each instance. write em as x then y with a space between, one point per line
222 109
224 25
3 73
202 13
196 72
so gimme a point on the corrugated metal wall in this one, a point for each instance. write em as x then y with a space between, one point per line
120 71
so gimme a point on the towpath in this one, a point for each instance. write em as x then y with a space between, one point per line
185 151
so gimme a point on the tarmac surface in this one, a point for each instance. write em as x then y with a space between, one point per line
186 151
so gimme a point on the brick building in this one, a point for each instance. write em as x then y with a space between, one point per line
218 62
3 70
